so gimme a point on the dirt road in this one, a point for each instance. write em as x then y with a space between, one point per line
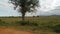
11 31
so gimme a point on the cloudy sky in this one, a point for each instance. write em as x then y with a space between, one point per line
48 7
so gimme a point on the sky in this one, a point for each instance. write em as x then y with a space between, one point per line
47 7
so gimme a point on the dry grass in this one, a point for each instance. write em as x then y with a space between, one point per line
45 24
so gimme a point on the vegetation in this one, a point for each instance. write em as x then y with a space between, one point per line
25 6
38 25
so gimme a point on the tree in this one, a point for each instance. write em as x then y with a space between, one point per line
25 6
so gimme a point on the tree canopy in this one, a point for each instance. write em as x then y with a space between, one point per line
25 5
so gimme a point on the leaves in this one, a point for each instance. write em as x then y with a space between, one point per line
27 4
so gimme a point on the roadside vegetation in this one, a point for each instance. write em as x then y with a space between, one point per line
38 25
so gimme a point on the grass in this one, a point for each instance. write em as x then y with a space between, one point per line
38 25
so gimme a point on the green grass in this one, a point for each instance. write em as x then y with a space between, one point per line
39 25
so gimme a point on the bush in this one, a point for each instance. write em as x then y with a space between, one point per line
38 16
27 23
33 16
56 28
3 24
0 20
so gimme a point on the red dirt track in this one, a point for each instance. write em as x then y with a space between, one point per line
11 31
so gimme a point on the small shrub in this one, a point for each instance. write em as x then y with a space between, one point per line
56 28
27 23
3 23
38 16
0 20
33 16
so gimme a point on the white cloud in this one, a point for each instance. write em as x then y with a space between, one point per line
46 5
5 5
6 9
57 3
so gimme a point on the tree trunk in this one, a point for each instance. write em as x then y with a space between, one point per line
23 17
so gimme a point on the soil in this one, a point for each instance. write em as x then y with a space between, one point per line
12 31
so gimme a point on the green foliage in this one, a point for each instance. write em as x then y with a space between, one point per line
0 20
36 24
27 23
25 6
56 28
2 23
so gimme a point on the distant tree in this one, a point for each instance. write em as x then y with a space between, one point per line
37 16
25 6
33 16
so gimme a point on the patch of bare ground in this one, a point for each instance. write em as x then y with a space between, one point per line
12 31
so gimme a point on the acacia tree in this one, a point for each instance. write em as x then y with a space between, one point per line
25 6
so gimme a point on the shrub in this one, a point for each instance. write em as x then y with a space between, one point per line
27 23
0 20
38 16
3 24
33 16
56 28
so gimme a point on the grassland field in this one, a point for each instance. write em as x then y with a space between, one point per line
38 25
